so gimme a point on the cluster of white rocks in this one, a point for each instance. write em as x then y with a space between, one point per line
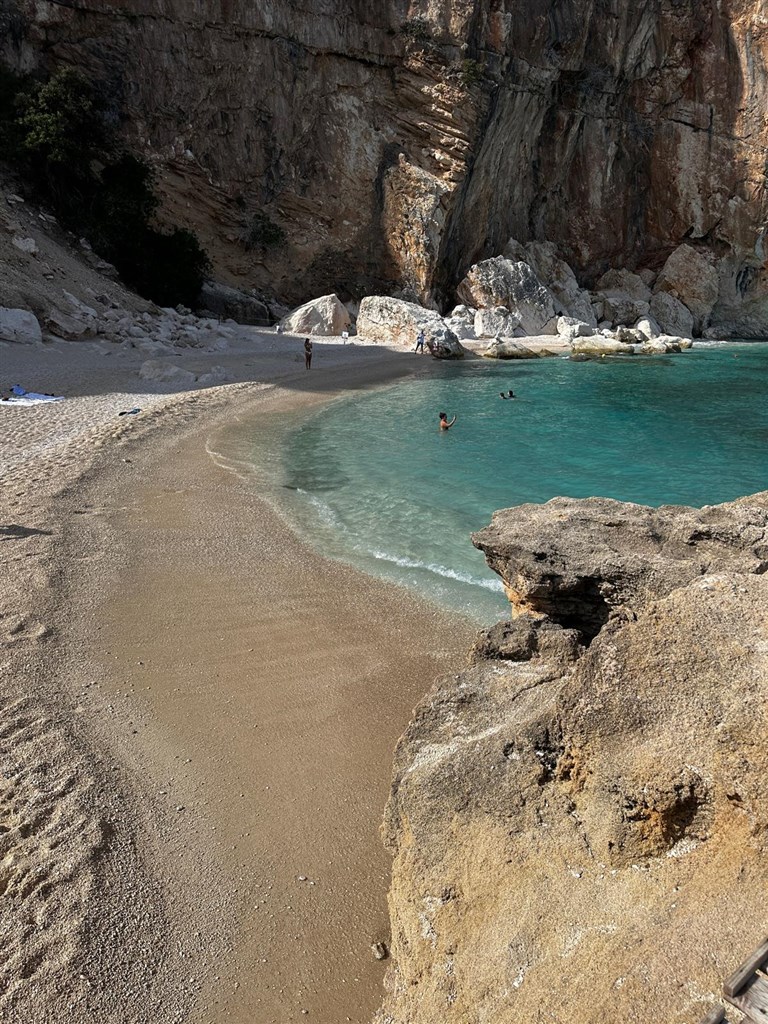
529 291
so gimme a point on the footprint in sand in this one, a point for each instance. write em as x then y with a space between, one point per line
14 630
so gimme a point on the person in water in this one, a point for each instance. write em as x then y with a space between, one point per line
444 422
307 353
509 394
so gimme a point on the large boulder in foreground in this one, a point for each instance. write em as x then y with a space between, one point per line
514 285
325 317
396 322
567 812
20 326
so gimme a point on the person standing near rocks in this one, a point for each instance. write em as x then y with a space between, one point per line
308 353
420 342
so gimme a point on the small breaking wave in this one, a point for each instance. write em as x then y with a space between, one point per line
439 570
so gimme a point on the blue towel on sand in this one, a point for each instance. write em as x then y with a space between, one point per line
34 396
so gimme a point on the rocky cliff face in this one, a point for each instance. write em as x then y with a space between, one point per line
578 820
400 142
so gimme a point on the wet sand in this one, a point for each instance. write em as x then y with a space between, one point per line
254 693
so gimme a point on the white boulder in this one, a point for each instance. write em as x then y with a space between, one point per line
506 348
672 315
648 327
26 245
395 321
325 317
502 282
569 328
20 326
491 323
598 345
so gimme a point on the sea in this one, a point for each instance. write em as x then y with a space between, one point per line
371 480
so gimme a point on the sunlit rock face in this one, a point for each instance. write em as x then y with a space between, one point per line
398 143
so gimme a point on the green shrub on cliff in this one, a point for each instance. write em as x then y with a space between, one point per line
58 134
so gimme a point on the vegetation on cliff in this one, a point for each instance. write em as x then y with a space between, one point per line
58 133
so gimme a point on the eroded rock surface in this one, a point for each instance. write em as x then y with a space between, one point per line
578 820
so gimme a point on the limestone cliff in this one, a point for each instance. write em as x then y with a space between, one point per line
397 143
578 820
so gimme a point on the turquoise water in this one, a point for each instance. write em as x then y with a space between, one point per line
371 479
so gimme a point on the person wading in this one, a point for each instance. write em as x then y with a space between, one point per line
445 424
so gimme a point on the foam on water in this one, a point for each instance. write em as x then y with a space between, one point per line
370 479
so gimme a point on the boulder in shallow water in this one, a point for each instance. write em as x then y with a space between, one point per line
20 326
325 317
598 345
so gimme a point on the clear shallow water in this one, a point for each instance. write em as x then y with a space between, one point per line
371 479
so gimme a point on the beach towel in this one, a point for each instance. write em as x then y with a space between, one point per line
20 396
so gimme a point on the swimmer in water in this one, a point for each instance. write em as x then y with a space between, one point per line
444 423
509 394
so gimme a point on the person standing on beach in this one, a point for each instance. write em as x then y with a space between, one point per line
420 342
444 423
308 353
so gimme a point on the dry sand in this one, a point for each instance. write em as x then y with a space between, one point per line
198 712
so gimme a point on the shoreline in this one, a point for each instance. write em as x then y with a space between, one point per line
161 854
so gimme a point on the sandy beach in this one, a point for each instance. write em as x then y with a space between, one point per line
199 712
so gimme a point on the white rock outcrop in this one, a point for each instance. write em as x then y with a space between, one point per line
598 345
569 328
648 327
394 321
324 317
20 326
506 348
492 323
503 282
